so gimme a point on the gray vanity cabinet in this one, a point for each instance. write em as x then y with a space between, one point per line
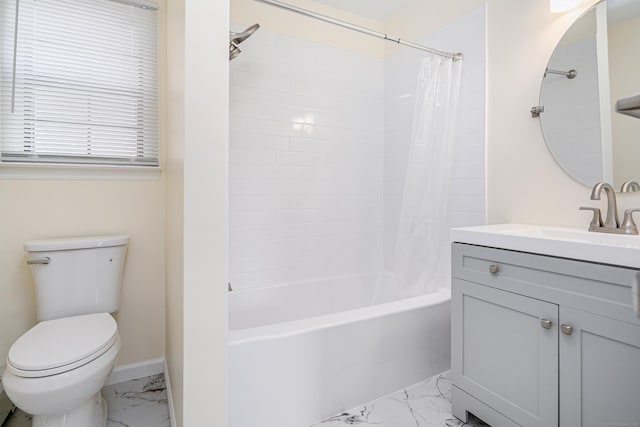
502 354
599 371
543 341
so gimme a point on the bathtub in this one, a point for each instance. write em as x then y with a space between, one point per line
301 353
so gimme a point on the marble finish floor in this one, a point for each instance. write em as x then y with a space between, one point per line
143 403
135 403
426 404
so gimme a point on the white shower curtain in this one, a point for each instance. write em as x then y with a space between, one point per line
422 256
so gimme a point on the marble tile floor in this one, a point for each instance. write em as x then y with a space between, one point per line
143 403
426 404
136 403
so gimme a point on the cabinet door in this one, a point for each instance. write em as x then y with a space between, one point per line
502 355
599 371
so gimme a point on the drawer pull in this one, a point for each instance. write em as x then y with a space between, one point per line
546 323
493 269
566 329
45 260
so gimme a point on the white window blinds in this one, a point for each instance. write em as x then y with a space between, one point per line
79 81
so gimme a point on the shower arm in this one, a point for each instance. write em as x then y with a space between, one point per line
237 38
277 3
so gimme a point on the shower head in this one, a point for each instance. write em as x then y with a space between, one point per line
234 51
237 38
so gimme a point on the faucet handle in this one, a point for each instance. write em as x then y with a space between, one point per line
629 186
596 220
628 225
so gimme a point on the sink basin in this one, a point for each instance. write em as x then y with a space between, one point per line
614 249
579 236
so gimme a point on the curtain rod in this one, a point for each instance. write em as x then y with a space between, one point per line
277 3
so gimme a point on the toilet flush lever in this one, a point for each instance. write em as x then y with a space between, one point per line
44 260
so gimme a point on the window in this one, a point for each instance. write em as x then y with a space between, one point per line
79 82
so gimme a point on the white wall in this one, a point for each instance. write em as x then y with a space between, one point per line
524 183
206 103
467 194
305 161
196 208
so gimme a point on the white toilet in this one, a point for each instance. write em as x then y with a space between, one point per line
55 371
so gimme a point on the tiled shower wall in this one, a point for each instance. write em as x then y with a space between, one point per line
318 150
306 163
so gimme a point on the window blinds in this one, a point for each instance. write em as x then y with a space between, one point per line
80 83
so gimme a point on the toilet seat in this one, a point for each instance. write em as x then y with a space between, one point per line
57 346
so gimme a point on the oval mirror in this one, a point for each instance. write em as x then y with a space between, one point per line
591 95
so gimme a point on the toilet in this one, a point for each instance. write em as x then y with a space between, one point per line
55 371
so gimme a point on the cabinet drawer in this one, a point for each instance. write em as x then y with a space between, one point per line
586 286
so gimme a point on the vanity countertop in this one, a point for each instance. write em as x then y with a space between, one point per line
574 243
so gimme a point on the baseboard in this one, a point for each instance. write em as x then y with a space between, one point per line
6 407
136 370
167 382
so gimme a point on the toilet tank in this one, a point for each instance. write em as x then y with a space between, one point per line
74 276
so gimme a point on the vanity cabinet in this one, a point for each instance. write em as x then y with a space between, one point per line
543 341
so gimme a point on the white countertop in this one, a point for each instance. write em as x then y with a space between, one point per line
574 243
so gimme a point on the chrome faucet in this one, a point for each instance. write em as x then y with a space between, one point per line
630 186
627 222
611 220
611 224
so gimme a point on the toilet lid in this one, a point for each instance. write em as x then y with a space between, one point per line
63 344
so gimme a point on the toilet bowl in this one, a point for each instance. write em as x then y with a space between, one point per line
56 370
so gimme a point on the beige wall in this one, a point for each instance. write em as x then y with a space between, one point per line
174 201
35 209
524 184
624 69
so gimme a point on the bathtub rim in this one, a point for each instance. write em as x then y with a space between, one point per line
300 326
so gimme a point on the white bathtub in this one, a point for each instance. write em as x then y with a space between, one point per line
301 353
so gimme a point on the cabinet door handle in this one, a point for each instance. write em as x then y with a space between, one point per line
45 260
493 269
546 323
566 329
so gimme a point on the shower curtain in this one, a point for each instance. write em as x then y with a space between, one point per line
422 256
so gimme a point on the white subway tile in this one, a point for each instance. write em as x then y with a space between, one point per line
252 280
292 158
315 188
249 157
239 139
